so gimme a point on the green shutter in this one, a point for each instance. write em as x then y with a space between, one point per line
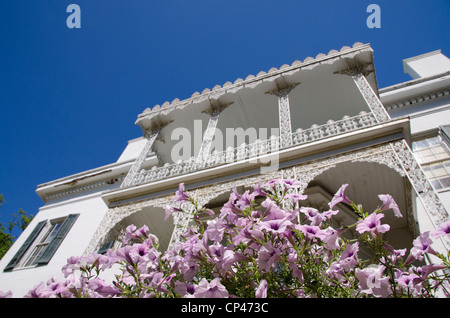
57 240
25 246
105 247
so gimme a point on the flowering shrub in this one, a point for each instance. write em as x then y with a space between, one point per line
277 248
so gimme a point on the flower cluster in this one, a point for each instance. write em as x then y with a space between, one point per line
263 243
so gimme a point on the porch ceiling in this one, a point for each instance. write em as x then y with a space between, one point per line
366 181
153 217
321 95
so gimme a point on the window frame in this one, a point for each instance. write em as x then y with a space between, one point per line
46 236
439 161
40 243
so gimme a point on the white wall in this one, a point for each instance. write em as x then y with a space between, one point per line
91 210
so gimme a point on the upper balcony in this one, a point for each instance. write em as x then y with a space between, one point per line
242 125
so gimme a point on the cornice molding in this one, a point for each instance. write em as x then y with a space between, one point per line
83 188
434 95
252 80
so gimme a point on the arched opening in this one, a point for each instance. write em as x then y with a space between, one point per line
366 181
152 217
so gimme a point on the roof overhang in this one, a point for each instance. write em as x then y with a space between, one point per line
317 97
358 56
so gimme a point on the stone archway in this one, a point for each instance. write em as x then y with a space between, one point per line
366 181
153 218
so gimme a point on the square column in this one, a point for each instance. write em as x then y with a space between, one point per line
370 97
284 114
214 109
137 165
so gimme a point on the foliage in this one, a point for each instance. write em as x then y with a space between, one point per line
19 220
275 248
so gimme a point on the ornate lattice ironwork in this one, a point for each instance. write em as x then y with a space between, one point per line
395 155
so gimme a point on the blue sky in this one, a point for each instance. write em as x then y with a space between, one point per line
69 97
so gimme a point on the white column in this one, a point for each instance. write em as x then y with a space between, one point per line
370 97
284 114
436 211
215 108
208 137
137 165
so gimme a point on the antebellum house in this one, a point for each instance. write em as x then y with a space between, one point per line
323 121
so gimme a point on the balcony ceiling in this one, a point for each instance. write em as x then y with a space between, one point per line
320 95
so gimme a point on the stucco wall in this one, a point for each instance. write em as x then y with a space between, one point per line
91 210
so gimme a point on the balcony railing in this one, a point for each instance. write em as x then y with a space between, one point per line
258 148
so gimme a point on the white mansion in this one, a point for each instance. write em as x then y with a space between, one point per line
323 121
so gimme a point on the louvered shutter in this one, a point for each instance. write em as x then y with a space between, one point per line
57 240
25 246
105 247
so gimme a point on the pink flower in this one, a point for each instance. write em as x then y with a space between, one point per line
180 195
312 215
315 216
408 281
348 259
394 255
389 203
230 211
311 231
73 263
273 211
132 233
329 214
421 246
54 289
295 197
123 253
286 184
257 189
97 260
245 199
36 291
230 257
215 229
441 230
372 225
249 233
169 210
102 288
268 256
332 237
339 197
372 281
214 289
428 269
275 226
7 294
185 290
261 291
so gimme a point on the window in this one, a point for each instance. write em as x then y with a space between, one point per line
111 244
433 154
45 236
42 243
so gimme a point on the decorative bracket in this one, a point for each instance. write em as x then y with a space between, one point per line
137 165
282 91
151 134
358 74
364 69
214 109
